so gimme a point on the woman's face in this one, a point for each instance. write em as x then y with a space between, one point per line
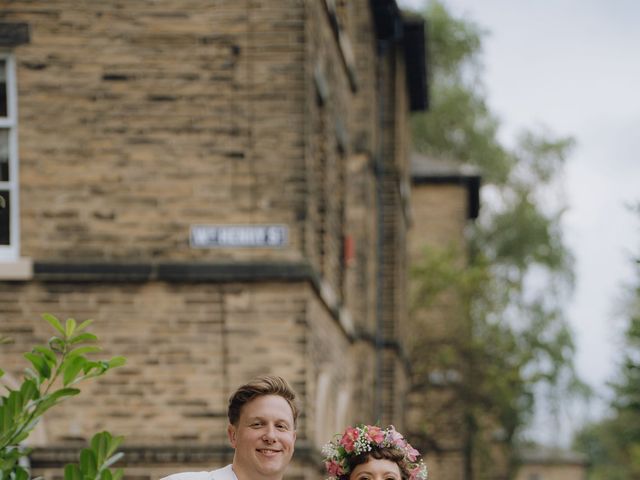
376 470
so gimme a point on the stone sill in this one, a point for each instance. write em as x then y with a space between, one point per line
20 269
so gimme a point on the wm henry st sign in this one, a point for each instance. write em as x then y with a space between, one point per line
217 236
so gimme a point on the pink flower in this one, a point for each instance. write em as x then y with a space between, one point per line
396 438
412 453
375 434
333 468
349 438
417 472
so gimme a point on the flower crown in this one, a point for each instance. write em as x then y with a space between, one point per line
361 439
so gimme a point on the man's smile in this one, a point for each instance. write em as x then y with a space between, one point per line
268 451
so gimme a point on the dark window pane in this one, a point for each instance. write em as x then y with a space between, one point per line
3 88
4 218
4 154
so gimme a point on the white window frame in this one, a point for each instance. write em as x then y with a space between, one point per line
11 252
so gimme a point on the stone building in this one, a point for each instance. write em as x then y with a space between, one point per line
444 200
546 463
223 187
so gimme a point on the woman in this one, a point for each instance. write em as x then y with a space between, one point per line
367 452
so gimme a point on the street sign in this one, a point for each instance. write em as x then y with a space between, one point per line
220 236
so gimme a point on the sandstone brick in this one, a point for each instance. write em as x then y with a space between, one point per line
139 119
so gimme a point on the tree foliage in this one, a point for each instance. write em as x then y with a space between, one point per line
459 125
520 272
613 444
55 372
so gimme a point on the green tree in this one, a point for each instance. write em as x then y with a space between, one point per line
613 444
54 375
519 272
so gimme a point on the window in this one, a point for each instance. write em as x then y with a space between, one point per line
9 227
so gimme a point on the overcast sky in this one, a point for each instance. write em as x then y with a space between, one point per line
574 67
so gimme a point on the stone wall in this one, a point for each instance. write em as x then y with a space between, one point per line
139 119
327 103
551 471
188 346
437 413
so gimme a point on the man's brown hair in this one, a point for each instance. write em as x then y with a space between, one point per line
259 386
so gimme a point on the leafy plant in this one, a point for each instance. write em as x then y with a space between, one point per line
96 460
55 372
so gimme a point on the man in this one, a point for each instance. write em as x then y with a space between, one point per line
262 430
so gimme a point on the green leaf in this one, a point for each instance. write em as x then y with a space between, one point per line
82 351
88 463
70 327
10 458
6 421
57 344
96 368
72 369
115 443
117 475
20 473
1 372
26 431
84 325
64 392
117 362
100 445
39 363
48 401
54 322
72 472
83 337
14 404
48 354
29 390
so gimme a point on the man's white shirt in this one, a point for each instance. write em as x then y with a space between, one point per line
225 473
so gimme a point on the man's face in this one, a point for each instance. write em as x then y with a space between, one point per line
263 438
